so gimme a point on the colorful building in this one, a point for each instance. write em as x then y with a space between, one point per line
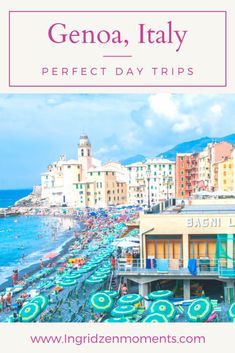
187 249
151 181
183 175
84 182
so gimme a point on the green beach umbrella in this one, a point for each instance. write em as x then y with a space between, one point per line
117 319
130 299
199 310
73 275
112 293
104 270
94 280
155 318
99 275
101 302
41 300
84 269
123 310
29 312
66 282
163 307
231 311
160 294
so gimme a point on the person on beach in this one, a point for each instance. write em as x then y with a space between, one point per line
41 264
113 262
14 277
124 289
8 301
2 301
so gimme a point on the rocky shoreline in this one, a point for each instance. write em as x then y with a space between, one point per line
35 205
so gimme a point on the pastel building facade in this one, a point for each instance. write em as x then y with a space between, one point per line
151 181
84 182
104 186
186 250
209 170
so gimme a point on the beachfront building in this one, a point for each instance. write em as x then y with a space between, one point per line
224 175
200 171
188 249
104 186
151 181
183 175
85 181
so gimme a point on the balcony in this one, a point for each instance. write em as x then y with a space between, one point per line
173 268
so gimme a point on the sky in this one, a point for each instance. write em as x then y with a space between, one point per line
36 128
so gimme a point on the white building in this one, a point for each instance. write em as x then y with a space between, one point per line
59 180
84 182
151 181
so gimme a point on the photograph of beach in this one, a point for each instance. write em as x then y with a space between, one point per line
117 208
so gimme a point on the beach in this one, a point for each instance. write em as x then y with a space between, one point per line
90 238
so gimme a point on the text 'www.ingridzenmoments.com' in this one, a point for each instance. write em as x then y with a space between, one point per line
116 339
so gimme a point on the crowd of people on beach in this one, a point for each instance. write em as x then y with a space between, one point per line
95 229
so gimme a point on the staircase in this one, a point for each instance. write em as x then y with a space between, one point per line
114 282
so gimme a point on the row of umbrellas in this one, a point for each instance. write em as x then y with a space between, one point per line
160 310
35 307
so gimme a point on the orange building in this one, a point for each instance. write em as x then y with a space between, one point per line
183 175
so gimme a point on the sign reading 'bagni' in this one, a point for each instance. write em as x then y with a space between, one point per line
117 48
213 222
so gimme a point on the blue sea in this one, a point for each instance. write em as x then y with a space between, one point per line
24 240
9 197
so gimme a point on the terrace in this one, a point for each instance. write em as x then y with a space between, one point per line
173 268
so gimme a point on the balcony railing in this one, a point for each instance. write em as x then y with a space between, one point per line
224 268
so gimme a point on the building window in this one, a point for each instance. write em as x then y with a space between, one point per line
80 186
107 173
182 193
82 152
182 172
76 186
98 173
91 173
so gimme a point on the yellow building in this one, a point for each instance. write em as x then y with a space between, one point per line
225 175
103 186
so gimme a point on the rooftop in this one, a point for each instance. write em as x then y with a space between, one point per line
192 209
